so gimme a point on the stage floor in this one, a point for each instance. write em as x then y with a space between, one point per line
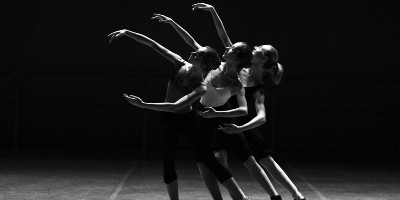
140 177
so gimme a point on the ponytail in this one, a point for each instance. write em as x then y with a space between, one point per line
277 74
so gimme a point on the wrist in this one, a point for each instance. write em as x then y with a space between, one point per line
142 105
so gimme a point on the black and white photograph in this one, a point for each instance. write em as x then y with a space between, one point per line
199 100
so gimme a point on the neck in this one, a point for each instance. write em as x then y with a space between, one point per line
196 72
256 72
229 68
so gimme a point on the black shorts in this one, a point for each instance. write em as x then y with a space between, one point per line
260 148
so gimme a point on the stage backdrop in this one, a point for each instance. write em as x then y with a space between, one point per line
61 81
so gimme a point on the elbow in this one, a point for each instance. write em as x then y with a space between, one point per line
263 120
244 111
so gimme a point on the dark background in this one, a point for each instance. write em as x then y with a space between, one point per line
61 81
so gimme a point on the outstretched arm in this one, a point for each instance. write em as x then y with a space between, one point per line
183 102
182 32
175 58
217 22
258 120
241 110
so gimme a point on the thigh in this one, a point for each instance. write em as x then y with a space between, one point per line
170 131
259 147
238 144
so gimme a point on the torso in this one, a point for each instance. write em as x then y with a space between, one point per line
220 88
181 84
250 87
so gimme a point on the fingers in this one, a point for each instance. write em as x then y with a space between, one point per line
208 108
131 97
195 7
134 97
200 6
228 125
160 17
114 35
111 39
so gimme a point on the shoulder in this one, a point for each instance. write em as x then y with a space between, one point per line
259 95
237 87
182 64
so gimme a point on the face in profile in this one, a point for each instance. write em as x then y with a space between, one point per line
231 52
196 57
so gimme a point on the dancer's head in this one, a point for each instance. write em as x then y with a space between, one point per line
267 57
206 58
239 54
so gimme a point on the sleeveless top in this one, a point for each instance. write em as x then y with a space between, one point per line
180 84
215 97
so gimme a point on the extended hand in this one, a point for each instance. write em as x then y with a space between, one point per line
161 18
116 34
202 6
209 113
230 128
134 100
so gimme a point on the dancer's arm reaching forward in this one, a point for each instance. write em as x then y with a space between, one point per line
217 22
258 120
241 110
171 56
182 32
169 107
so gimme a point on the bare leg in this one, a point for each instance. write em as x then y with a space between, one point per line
172 189
210 180
234 189
259 175
280 176
222 157
212 184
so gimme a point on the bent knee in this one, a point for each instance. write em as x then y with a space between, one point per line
222 157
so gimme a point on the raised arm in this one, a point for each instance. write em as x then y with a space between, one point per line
175 58
182 32
217 22
183 102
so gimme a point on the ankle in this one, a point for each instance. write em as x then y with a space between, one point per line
299 197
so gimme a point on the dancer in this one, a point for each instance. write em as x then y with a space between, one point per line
265 67
222 83
184 87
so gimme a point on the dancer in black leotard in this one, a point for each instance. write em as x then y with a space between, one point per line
184 88
265 67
